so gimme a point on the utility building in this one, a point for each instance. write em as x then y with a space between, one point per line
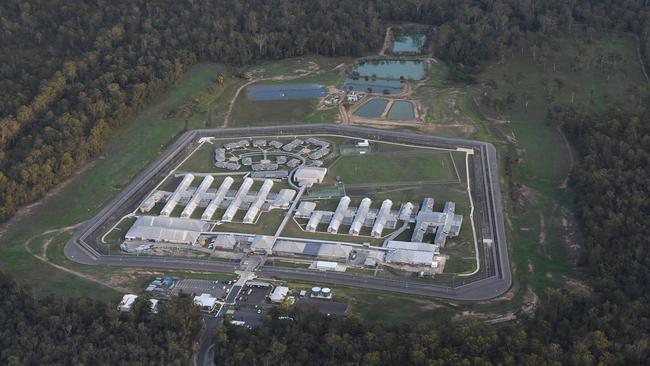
255 207
360 216
237 201
173 200
218 198
196 198
339 214
381 219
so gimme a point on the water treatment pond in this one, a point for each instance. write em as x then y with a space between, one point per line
408 43
367 85
372 108
285 91
390 69
401 110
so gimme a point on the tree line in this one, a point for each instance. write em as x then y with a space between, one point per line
70 73
53 331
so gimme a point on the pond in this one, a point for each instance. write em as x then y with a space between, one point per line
390 69
372 108
401 110
373 86
285 91
408 43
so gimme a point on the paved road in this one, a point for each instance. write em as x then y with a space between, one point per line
79 250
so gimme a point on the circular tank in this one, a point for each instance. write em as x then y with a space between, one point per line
315 290
326 291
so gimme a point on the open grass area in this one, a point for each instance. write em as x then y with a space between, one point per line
391 168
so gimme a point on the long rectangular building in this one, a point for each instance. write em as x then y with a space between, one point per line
216 201
381 219
178 193
255 207
198 195
339 214
237 201
360 216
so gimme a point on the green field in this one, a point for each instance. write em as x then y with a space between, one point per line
394 168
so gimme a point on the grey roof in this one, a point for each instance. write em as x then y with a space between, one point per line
262 242
411 257
225 241
270 174
305 208
283 198
169 229
408 245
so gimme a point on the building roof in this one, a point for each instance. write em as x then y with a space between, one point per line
127 302
334 251
170 229
408 245
411 257
305 208
309 175
205 300
284 197
279 293
226 241
262 242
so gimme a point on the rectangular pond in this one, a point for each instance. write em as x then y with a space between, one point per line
373 86
401 110
285 91
408 43
390 69
372 108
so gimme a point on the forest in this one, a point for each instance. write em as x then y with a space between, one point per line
53 331
70 73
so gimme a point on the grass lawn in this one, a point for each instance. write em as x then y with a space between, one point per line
390 168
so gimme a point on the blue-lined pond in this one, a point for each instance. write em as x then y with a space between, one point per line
401 110
372 108
285 91
408 43
390 69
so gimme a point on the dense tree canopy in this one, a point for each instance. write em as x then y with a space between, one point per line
72 71
52 331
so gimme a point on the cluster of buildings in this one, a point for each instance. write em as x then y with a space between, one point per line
310 151
442 224
211 199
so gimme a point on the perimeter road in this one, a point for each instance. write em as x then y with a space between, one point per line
80 251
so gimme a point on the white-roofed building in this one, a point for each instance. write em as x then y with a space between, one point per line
206 302
279 294
308 176
283 198
305 208
166 229
360 216
127 303
339 214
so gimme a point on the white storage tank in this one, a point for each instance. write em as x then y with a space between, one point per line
326 292
315 291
